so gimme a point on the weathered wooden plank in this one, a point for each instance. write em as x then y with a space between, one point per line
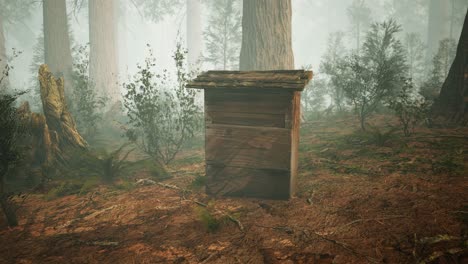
246 182
296 86
295 126
245 119
250 147
259 75
247 102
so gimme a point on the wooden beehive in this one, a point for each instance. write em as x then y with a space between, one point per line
252 131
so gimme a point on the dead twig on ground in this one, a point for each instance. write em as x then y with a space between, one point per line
230 217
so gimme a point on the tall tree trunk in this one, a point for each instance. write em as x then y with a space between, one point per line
3 58
103 67
57 50
438 25
266 35
453 99
194 31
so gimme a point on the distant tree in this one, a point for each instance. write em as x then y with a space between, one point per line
103 55
57 47
194 31
440 67
330 65
415 57
266 35
223 34
11 12
314 95
156 10
375 74
360 19
412 14
438 25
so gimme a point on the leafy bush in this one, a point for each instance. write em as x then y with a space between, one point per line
374 74
209 221
409 108
113 163
85 103
162 114
381 137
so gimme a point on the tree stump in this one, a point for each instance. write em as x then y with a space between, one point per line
58 118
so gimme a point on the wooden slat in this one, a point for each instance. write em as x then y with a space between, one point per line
247 102
245 182
249 147
287 75
245 119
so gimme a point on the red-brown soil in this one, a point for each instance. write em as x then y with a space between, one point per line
403 202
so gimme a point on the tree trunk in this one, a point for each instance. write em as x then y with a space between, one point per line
194 31
266 35
57 48
103 66
438 25
3 57
452 103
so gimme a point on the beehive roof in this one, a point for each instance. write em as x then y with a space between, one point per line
294 80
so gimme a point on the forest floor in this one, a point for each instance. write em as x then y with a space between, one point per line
362 198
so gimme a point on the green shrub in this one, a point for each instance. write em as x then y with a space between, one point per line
409 108
162 114
210 222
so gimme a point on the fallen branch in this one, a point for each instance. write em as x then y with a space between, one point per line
230 217
344 246
367 220
305 231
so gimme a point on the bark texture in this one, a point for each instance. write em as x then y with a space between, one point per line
56 113
194 31
57 48
438 25
103 62
266 35
453 99
3 57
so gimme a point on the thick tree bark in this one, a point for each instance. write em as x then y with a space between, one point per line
3 58
103 66
266 35
57 48
194 31
56 113
453 99
438 25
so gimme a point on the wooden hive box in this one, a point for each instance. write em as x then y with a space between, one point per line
252 131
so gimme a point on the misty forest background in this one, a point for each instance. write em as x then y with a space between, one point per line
125 65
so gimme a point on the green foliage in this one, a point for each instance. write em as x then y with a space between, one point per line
447 164
379 136
63 189
330 65
156 10
14 11
441 64
85 105
113 163
199 182
162 114
209 221
374 74
415 57
409 108
223 34
359 16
